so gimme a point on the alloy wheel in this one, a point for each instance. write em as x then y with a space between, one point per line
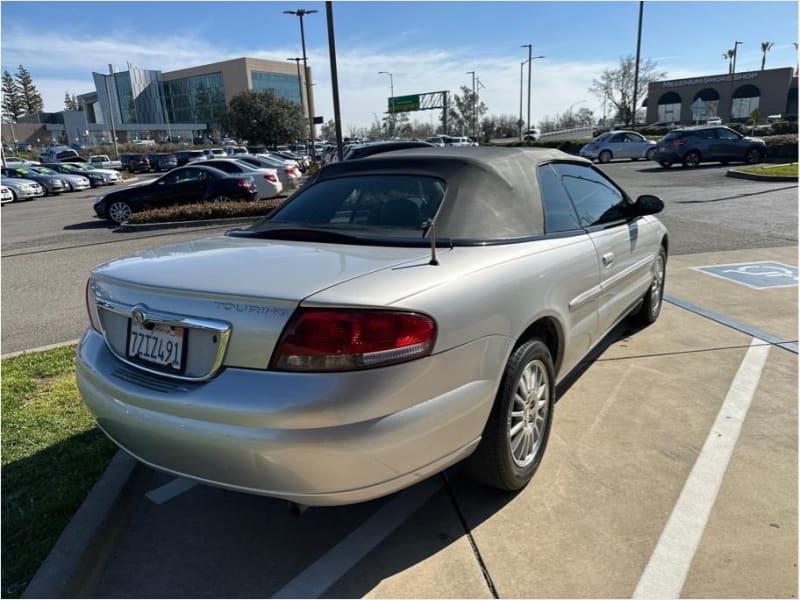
657 285
119 212
528 415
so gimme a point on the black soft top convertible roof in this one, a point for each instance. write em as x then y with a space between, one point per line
492 193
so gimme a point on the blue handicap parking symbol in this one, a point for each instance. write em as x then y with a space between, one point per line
758 275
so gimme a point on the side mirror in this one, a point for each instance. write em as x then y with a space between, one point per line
647 204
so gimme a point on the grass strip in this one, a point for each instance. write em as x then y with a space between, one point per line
774 171
52 454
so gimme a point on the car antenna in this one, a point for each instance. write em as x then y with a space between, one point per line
432 231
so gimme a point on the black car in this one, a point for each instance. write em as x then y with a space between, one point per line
95 177
51 184
184 185
134 162
692 145
356 152
184 157
162 161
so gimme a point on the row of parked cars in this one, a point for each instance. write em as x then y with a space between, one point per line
26 180
688 146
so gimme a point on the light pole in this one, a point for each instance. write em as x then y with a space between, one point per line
571 106
302 12
391 100
111 112
299 79
530 66
733 74
472 116
636 72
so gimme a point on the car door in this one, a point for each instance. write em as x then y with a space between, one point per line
730 144
635 146
578 273
623 260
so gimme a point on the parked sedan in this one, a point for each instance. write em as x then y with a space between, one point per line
95 177
288 174
266 179
51 184
339 350
5 195
162 161
74 181
22 189
619 144
184 185
693 145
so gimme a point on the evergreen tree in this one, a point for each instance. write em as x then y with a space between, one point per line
12 101
31 99
460 113
70 102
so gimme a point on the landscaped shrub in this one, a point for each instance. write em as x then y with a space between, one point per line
206 210
782 147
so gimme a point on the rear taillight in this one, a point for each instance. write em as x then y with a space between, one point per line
245 183
91 307
678 142
289 170
350 339
271 177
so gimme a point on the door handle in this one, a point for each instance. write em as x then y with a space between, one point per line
608 259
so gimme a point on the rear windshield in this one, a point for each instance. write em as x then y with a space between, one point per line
390 202
672 135
602 137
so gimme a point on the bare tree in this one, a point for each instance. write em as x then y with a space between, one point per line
616 85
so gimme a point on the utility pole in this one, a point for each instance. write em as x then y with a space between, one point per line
299 79
530 66
302 12
111 113
520 123
391 101
733 75
472 116
636 72
334 79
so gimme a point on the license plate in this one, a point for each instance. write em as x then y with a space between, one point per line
160 344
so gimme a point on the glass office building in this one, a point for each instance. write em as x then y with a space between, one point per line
196 99
286 86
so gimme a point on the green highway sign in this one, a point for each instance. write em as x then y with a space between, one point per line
404 103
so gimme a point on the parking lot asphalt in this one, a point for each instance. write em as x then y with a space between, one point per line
671 472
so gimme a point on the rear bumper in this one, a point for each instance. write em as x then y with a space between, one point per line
292 436
667 155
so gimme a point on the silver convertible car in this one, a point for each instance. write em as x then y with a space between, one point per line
400 314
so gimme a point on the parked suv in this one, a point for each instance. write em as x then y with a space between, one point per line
134 163
693 145
162 161
187 156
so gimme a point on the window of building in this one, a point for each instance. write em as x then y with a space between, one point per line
286 86
745 100
669 108
127 106
198 99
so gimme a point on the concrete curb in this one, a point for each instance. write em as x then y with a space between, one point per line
58 569
753 177
39 349
167 225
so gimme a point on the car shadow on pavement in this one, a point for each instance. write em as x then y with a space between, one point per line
679 168
96 224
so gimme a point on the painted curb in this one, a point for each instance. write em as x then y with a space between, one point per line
58 569
753 177
39 349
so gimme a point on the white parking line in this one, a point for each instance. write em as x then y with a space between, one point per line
319 576
169 490
669 564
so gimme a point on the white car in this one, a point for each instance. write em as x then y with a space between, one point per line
532 135
266 179
714 121
288 172
5 195
460 141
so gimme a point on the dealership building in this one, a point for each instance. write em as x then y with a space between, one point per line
730 97
148 104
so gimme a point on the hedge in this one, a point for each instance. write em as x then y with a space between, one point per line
206 210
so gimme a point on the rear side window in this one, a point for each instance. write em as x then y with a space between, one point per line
672 135
385 201
559 214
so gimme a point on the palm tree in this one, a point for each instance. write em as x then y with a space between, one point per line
728 55
765 47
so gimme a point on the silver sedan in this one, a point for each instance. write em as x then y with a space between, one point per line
397 315
619 144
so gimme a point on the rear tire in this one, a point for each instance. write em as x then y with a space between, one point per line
653 299
666 164
605 156
650 154
692 159
516 433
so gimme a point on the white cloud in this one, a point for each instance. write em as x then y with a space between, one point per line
363 93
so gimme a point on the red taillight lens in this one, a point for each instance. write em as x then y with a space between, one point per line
678 142
245 183
350 339
288 170
271 177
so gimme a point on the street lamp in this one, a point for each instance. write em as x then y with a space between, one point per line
391 101
571 106
302 12
530 96
733 74
472 117
299 79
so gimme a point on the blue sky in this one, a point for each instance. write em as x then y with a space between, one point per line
428 46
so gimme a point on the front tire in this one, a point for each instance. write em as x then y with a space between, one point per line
653 299
516 433
650 154
119 212
752 157
605 156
